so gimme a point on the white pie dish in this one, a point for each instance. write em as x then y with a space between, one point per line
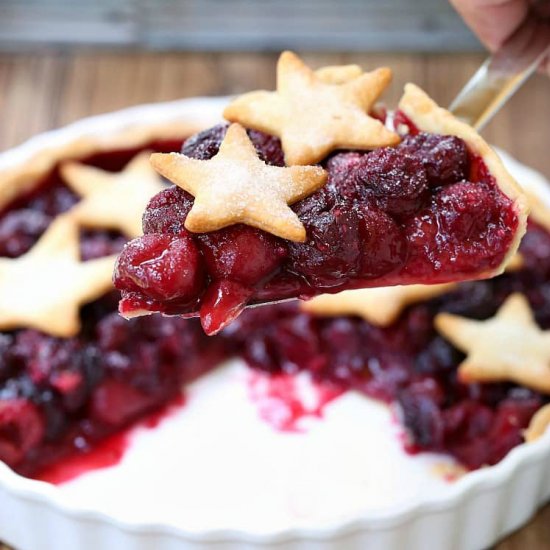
372 495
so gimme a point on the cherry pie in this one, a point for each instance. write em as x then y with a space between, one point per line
427 203
68 382
66 387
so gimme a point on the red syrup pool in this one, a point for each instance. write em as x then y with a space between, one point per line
285 401
108 452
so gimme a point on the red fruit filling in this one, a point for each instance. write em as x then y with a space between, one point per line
409 364
61 397
425 211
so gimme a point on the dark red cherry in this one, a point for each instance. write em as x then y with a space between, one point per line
222 302
167 211
161 266
396 182
241 253
21 429
206 144
445 158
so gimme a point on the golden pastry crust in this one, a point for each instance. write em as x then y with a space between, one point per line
23 178
338 74
235 186
378 306
540 211
313 115
88 280
114 201
538 425
429 117
509 347
44 288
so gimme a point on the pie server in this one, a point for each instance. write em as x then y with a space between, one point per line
502 74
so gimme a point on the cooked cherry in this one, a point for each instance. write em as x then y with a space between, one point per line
116 403
19 230
206 144
383 245
445 158
21 429
167 211
242 253
396 182
99 243
162 267
223 301
465 228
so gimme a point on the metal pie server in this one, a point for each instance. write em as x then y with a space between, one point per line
502 74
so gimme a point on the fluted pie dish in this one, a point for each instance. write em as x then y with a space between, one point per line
349 420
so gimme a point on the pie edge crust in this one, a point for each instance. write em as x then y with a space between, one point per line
26 175
430 117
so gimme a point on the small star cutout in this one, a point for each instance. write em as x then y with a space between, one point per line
44 288
378 306
314 114
235 186
507 347
113 200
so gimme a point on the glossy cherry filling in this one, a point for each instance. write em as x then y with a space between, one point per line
425 211
62 397
409 364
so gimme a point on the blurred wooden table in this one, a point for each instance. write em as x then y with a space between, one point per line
44 90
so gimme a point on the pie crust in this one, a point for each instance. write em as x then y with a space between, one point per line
427 116
23 178
538 425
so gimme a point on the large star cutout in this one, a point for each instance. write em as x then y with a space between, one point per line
507 347
113 200
44 288
378 306
314 114
235 186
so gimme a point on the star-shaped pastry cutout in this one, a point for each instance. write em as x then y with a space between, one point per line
338 74
44 288
235 186
314 116
113 200
507 347
378 306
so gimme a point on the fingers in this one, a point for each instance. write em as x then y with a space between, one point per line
493 21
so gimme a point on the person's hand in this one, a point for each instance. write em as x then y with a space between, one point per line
495 21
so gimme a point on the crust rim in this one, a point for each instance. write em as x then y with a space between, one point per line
429 117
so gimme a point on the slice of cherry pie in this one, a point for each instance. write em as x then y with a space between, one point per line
410 197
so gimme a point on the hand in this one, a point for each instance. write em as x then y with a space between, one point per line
495 21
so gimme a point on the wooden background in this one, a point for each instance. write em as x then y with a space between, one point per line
45 90
222 25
